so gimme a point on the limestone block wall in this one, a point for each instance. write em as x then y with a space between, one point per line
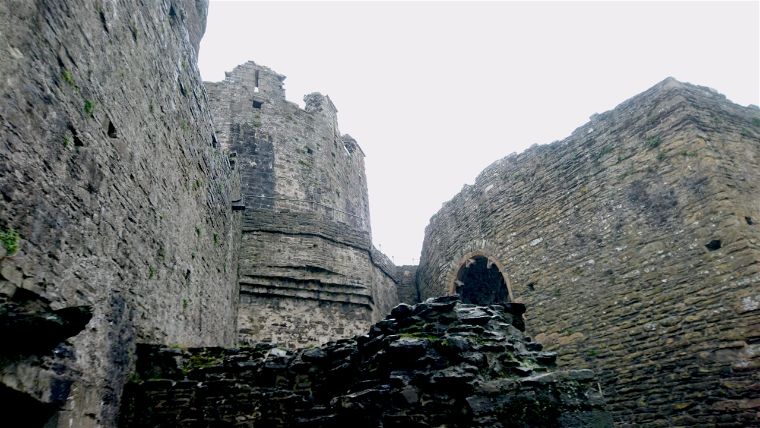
636 242
110 176
308 270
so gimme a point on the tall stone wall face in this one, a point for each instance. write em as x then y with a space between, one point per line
407 286
636 242
308 270
110 177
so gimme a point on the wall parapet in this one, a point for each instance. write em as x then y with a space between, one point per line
384 263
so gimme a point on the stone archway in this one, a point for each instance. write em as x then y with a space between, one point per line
480 280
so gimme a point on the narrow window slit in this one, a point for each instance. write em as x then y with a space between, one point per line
111 130
75 136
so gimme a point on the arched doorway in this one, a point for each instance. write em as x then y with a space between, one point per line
480 281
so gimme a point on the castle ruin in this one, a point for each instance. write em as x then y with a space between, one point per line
186 253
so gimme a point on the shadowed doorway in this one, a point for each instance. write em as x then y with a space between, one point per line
480 282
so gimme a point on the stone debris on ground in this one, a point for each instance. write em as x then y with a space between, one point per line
437 363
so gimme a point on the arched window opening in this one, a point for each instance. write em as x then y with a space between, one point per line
479 281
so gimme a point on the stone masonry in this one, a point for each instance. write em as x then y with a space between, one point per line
186 236
439 363
308 270
115 201
635 242
407 284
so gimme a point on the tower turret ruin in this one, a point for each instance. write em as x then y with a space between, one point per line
308 269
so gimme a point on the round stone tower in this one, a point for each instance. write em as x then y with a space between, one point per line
308 270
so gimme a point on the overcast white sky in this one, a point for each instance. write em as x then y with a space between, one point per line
435 92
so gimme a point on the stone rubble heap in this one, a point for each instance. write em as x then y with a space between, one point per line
437 363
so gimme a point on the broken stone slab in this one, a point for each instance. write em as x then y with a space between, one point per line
474 316
407 348
456 376
401 311
314 355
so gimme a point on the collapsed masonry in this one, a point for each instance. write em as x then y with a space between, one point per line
438 363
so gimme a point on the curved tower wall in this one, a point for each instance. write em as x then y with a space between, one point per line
635 242
308 270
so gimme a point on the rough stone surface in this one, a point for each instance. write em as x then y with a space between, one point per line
308 270
439 363
407 284
36 368
636 242
109 176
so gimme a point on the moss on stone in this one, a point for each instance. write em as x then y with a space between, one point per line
201 361
68 77
89 107
654 142
419 335
10 240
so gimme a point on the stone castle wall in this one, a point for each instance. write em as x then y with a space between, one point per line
407 286
636 243
121 199
308 271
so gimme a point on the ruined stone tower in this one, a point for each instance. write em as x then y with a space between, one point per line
308 269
